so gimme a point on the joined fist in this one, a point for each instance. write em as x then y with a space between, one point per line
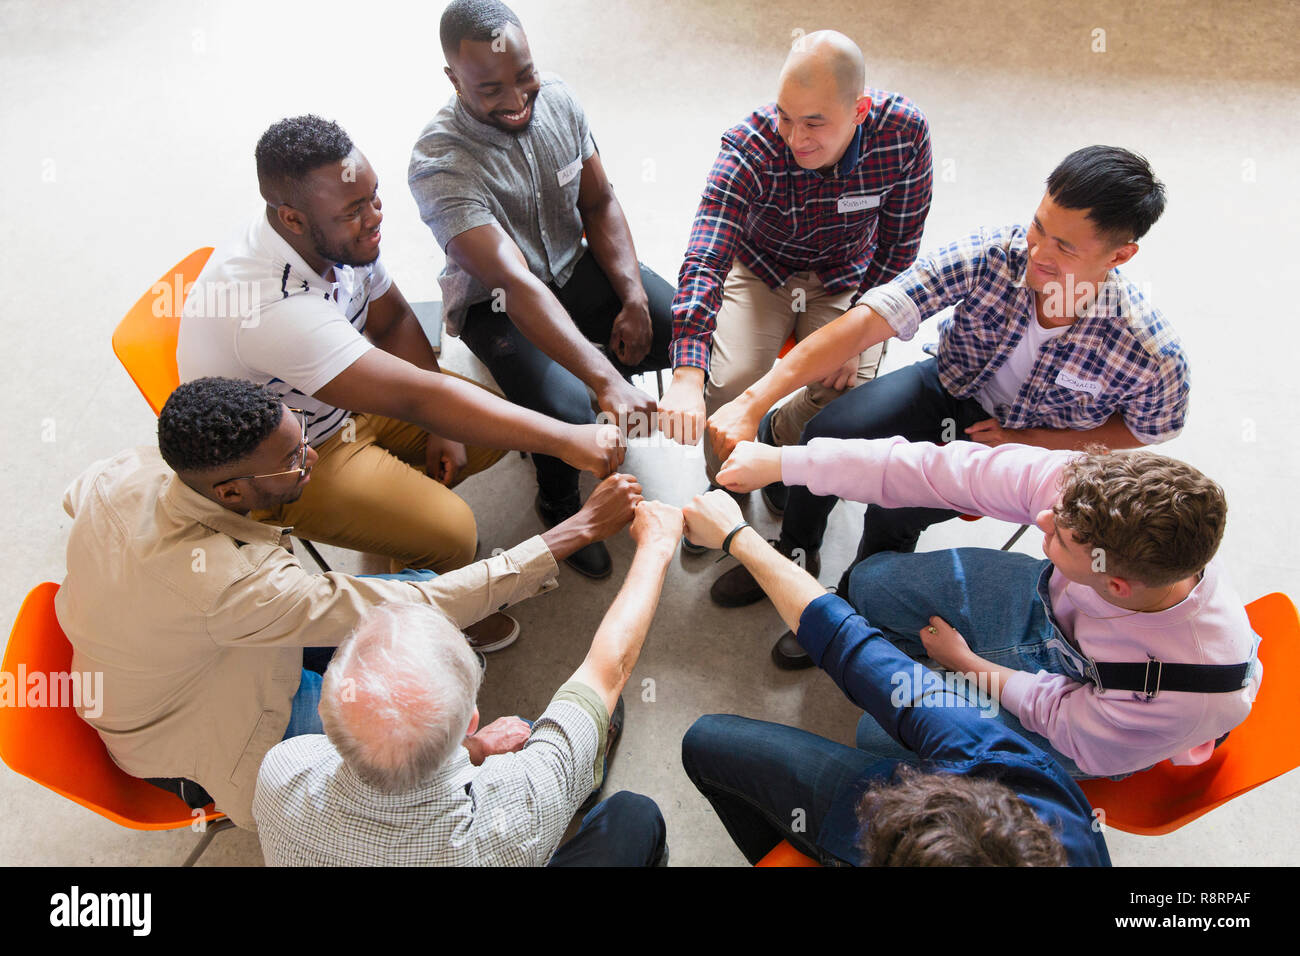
710 517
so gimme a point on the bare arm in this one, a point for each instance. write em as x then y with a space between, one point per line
384 384
712 516
492 257
610 241
1113 434
812 360
392 326
617 644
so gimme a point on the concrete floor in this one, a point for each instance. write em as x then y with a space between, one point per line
128 142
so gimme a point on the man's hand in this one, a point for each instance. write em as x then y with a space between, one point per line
989 432
752 465
842 377
681 411
731 424
710 518
947 647
632 334
505 735
657 525
598 449
443 459
610 507
632 409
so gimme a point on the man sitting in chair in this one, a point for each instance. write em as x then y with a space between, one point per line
1127 646
947 787
209 633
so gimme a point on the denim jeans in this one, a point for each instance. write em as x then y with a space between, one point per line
910 402
627 829
304 718
991 597
529 377
769 782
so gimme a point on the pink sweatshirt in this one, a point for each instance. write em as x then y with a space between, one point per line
1107 732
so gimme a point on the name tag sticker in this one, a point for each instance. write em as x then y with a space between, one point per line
1067 380
858 203
569 172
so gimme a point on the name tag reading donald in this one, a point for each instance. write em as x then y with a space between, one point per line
858 203
1066 380
569 172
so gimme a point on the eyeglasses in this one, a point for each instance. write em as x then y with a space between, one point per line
299 464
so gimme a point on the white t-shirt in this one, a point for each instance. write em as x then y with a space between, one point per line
1004 386
259 312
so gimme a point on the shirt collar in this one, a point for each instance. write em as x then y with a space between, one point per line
183 500
449 779
482 132
281 251
852 152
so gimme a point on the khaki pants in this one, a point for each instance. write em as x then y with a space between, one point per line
368 492
753 324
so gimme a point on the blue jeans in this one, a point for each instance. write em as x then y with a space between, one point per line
304 718
769 782
991 597
910 402
625 830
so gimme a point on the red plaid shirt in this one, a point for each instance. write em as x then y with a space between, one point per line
856 229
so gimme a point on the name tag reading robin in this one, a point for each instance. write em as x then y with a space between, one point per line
858 203
567 174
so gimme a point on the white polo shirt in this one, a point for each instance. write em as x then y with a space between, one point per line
259 312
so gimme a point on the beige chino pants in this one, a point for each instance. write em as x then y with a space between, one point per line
753 324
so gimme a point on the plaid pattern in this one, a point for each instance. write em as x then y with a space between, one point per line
312 810
1119 356
760 207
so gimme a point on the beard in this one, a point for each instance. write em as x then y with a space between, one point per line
339 254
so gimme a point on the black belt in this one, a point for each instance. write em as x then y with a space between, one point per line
1153 676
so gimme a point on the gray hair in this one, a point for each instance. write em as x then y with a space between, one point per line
399 694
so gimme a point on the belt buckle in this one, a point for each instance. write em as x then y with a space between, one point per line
1146 678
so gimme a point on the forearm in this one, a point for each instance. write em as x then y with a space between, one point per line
463 412
1113 434
617 644
789 586
819 355
610 241
539 316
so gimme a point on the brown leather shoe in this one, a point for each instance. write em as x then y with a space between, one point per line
788 655
492 633
737 588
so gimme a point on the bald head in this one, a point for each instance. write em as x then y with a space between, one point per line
826 57
399 694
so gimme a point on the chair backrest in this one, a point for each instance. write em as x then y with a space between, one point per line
1265 745
145 340
52 745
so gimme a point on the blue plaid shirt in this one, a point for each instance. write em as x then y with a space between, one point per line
1119 356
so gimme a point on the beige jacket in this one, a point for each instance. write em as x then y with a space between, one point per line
196 617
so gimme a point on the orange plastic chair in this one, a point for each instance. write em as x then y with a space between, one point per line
145 340
783 854
1264 746
52 745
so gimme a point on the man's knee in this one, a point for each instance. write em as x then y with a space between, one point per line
637 821
703 738
872 582
450 537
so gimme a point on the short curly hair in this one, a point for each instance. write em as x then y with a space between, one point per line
212 422
945 819
1154 519
472 20
292 148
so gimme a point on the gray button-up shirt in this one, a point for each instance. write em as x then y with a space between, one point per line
465 174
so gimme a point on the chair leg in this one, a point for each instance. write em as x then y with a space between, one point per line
315 555
1015 537
212 830
659 381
